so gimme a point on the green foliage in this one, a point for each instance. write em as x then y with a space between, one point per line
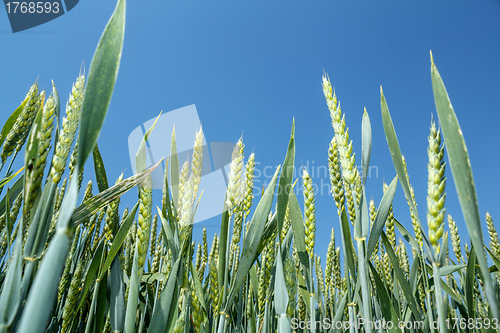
60 273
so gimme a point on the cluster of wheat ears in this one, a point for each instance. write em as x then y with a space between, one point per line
94 266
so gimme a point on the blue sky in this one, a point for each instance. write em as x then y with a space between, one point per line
250 66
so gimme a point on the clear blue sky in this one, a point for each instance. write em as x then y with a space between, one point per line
250 66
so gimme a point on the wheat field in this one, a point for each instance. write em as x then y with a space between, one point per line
96 266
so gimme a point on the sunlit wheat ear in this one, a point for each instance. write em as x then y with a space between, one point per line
467 252
287 223
196 309
389 223
180 323
19 131
263 283
197 165
67 268
68 130
249 177
455 239
44 137
387 266
330 257
197 263
187 204
72 297
350 172
183 188
435 188
204 255
213 262
403 258
302 308
494 242
155 268
414 222
57 205
336 176
168 260
268 256
144 224
153 244
309 213
235 238
319 275
234 194
14 211
337 277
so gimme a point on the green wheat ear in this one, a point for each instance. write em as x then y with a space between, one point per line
44 137
68 130
455 239
435 188
235 183
389 223
350 174
19 132
494 242
309 213
249 176
144 224
336 176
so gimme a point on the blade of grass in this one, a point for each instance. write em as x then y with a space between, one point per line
253 237
117 297
118 241
13 193
397 160
11 293
439 299
398 272
281 296
363 220
44 289
163 308
30 156
495 259
101 82
386 305
285 183
8 223
174 169
57 111
297 222
470 277
97 202
100 171
407 236
462 177
347 245
91 273
133 294
381 217
12 120
7 179
366 144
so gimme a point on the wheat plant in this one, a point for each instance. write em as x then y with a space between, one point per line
97 266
